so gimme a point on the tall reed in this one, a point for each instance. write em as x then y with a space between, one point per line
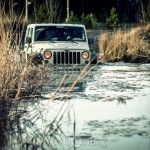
17 80
129 46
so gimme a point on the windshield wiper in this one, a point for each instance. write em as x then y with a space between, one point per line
74 41
52 41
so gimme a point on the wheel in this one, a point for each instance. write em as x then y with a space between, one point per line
94 57
34 60
94 61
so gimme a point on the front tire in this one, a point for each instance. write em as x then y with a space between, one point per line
34 60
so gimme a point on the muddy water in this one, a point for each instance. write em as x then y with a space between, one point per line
108 109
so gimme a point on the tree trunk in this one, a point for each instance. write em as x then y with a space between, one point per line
54 9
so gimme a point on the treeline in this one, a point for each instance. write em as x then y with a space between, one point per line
129 11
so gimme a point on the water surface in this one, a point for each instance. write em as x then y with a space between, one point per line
108 109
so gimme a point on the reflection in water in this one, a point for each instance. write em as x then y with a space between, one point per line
108 108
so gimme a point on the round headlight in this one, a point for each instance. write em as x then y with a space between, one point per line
85 55
47 54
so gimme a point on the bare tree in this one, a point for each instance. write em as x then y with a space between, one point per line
35 4
144 13
54 10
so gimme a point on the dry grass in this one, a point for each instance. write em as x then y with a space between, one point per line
128 46
17 80
9 69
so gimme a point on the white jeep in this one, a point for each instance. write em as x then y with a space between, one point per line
57 44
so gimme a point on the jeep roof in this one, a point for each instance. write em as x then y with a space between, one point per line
55 24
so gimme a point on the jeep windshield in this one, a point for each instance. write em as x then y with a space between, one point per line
59 33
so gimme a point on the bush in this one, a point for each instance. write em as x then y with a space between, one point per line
112 22
129 46
42 14
72 18
90 21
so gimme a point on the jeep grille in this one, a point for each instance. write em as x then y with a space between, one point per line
66 57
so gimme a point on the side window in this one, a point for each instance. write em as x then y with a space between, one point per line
79 34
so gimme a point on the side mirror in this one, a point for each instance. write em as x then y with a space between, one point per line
28 40
91 41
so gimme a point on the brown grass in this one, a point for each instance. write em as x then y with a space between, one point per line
17 80
128 46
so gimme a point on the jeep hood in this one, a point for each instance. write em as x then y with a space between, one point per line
67 45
